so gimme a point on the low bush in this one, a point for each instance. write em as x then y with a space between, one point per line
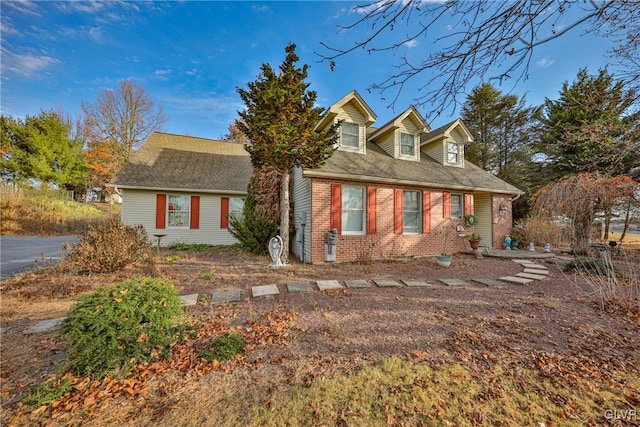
119 325
106 248
48 391
253 229
225 347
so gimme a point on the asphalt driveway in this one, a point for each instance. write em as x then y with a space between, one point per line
19 253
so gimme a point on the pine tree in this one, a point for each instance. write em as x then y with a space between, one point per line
279 120
592 127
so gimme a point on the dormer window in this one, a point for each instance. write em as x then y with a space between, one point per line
407 145
454 154
350 135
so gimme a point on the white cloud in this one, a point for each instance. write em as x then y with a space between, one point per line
261 9
23 6
26 65
163 74
81 6
545 63
96 34
191 72
410 43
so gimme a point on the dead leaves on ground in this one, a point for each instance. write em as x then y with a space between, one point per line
274 328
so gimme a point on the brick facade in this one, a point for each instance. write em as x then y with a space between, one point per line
385 243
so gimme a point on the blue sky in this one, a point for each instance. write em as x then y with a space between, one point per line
191 56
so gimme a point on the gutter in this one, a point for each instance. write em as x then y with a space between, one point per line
178 190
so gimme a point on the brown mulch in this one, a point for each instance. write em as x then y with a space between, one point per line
551 319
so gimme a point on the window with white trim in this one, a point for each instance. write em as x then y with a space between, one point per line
350 135
178 211
236 207
457 205
454 153
353 211
407 145
411 212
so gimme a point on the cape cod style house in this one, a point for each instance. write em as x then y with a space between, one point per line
388 191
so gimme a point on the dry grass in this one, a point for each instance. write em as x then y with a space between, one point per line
46 213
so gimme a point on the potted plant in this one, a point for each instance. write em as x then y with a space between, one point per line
444 259
474 241
516 238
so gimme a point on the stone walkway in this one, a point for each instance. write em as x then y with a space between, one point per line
531 271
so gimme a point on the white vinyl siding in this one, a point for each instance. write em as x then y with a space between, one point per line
353 210
139 207
411 212
301 194
435 151
482 204
349 113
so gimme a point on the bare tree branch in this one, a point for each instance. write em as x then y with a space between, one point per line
487 40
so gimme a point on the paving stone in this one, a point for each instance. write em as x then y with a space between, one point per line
325 285
518 280
189 300
521 261
416 283
533 265
489 282
531 276
356 284
299 287
221 297
453 282
44 326
387 283
264 290
536 271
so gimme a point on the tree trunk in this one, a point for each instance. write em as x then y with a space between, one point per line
582 232
627 221
284 215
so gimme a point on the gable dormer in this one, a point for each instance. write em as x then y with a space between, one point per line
400 137
446 144
356 117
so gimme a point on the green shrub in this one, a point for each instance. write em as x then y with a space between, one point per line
107 248
48 392
253 229
119 325
225 347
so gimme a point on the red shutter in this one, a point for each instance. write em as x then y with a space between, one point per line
468 203
426 212
161 210
224 212
446 204
336 207
194 222
397 211
371 210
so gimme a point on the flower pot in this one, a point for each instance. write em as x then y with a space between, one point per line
444 260
474 246
514 244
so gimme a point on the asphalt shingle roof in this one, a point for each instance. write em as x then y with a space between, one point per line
378 166
177 162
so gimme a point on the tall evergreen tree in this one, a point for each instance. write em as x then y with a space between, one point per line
592 127
503 129
279 119
41 148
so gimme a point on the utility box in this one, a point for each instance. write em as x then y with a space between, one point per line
330 245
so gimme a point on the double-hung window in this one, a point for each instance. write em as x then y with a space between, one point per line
350 135
453 153
411 212
178 211
353 211
407 145
457 205
236 207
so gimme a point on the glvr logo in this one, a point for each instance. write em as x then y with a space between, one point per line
621 414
